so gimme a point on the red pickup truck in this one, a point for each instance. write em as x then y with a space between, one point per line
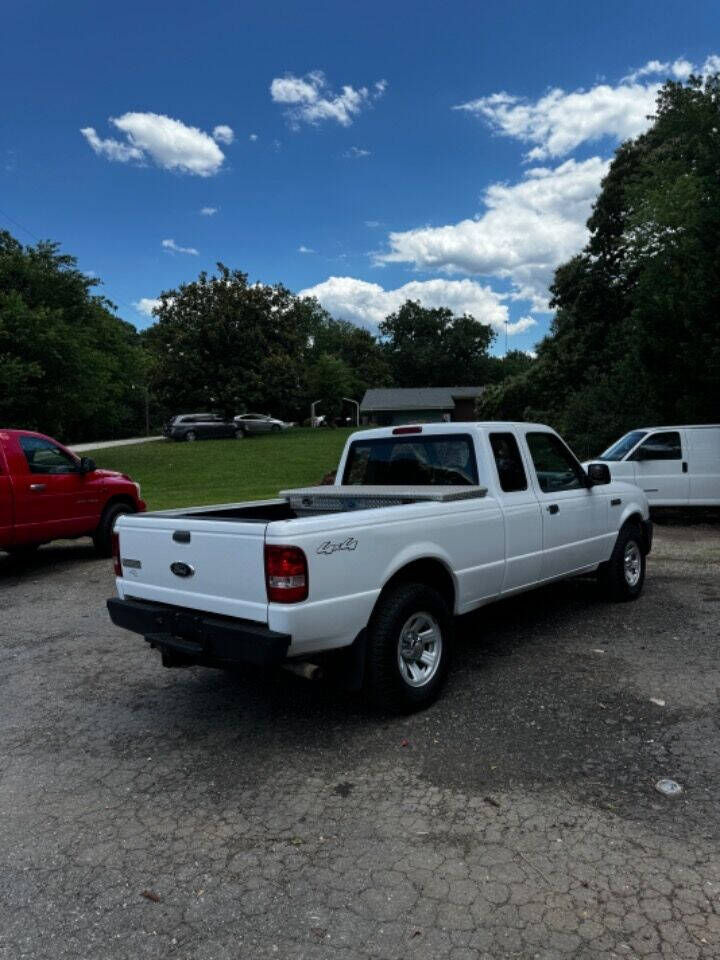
48 493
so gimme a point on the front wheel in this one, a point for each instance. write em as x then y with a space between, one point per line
275 428
239 434
623 575
190 436
409 641
102 538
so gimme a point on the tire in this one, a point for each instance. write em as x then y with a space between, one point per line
190 436
275 428
396 680
102 538
622 577
239 434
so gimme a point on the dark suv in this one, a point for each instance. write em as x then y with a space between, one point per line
201 426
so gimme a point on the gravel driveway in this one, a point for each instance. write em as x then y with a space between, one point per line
199 815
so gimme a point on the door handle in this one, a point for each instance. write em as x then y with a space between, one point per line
684 467
37 487
553 508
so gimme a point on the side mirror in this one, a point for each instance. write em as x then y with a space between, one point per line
87 465
599 473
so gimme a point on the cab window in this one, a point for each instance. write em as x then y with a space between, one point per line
508 462
42 456
556 468
432 460
660 446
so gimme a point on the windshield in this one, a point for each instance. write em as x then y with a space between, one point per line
623 446
416 461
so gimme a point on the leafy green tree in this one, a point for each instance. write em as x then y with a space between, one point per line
68 366
224 343
359 350
431 347
329 379
636 336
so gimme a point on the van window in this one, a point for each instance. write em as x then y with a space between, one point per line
414 461
660 446
623 446
510 469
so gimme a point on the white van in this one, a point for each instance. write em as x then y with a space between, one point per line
674 466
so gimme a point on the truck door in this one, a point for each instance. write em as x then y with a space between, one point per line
51 497
574 516
523 520
661 468
6 501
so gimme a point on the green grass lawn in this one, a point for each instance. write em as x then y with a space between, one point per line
222 471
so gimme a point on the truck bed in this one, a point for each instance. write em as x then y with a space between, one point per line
317 501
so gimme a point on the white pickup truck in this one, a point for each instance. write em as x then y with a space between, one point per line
365 576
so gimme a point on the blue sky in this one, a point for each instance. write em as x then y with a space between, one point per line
362 152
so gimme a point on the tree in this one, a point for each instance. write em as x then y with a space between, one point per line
636 336
329 379
358 349
221 342
68 365
430 347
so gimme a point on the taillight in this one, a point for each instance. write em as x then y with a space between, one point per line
286 574
407 430
115 542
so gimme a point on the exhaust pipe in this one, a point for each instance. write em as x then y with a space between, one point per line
309 671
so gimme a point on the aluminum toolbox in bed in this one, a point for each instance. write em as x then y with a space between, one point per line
330 499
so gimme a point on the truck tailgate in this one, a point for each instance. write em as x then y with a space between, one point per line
177 560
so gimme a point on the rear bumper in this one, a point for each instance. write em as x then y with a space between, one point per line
196 637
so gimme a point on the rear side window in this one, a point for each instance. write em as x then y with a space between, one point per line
510 469
416 461
555 466
44 457
660 446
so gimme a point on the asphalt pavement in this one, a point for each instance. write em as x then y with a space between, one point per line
194 814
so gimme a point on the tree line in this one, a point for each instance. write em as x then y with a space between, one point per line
635 338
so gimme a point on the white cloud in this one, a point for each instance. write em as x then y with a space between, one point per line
356 153
171 247
223 134
146 305
368 303
527 229
303 249
560 121
372 224
308 99
112 149
253 137
209 211
169 143
521 325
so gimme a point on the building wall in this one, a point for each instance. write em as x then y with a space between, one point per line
396 418
464 410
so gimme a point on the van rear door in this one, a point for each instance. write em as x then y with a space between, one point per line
703 456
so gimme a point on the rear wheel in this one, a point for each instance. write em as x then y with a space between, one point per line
409 640
190 436
623 576
102 538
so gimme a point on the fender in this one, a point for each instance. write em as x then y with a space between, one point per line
420 551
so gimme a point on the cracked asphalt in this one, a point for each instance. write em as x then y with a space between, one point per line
200 815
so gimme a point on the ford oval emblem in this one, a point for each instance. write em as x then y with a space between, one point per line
181 569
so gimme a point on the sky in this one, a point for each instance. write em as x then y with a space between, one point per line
362 153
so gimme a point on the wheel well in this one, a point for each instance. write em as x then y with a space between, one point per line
120 498
636 520
433 573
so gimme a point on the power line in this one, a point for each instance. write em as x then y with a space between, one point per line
36 238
